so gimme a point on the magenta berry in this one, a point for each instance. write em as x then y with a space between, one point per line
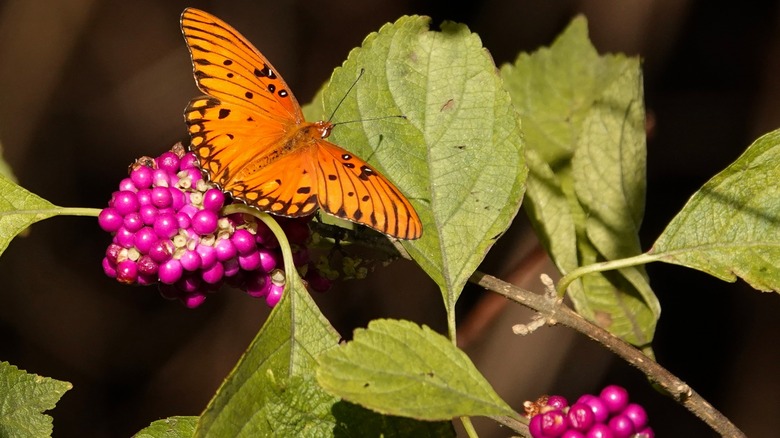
126 202
161 197
571 433
110 220
126 272
244 242
599 430
109 267
168 162
274 294
554 423
614 397
170 272
213 199
581 417
557 402
168 229
621 426
636 414
141 177
214 274
597 406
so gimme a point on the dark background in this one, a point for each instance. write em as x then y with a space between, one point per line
86 86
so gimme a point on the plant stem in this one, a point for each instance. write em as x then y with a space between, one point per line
569 278
556 313
470 431
284 245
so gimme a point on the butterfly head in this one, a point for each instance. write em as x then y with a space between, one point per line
324 128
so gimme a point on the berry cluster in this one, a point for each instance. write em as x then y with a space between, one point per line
167 227
608 415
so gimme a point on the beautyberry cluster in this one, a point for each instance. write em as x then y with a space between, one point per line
608 415
167 228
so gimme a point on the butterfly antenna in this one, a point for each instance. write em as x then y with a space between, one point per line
360 75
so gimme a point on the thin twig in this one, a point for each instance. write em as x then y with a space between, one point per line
561 314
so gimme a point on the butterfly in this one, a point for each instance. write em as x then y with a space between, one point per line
250 137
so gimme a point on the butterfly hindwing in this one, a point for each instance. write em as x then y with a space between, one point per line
230 68
349 188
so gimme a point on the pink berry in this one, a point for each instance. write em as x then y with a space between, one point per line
194 300
615 398
127 184
258 285
557 402
231 267
214 274
126 272
249 262
148 214
268 259
213 199
274 295
621 426
599 430
178 199
166 225
244 241
109 267
109 219
637 414
132 222
112 252
141 177
188 161
171 271
596 405
554 423
161 251
581 417
160 178
204 222
571 433
144 197
161 197
168 161
147 266
124 237
183 220
225 250
208 255
144 239
190 260
126 202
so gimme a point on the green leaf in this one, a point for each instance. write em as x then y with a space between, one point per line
355 421
458 154
399 368
583 116
18 210
731 227
272 391
173 427
23 399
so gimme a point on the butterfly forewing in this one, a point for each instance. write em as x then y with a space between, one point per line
229 141
230 68
251 139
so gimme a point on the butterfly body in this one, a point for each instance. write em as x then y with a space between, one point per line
251 139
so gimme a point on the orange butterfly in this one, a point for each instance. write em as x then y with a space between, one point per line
250 137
